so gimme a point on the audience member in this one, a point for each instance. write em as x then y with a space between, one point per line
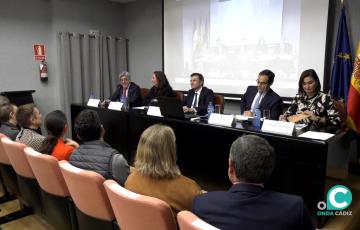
262 97
156 173
161 87
29 118
198 97
317 106
54 143
246 204
8 121
95 154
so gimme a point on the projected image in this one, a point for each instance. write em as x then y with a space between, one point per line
231 41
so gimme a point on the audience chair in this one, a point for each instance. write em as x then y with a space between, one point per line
144 92
10 183
180 96
58 207
137 212
189 221
219 100
93 209
28 186
8 175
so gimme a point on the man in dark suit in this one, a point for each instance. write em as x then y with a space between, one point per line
198 97
246 205
127 90
262 97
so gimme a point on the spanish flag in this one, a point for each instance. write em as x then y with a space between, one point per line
353 103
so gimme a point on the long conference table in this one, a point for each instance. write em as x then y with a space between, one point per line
203 152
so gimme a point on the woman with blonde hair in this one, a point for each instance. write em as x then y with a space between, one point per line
156 173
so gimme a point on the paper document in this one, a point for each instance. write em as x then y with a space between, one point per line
317 135
242 118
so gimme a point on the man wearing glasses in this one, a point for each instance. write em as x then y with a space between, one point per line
262 97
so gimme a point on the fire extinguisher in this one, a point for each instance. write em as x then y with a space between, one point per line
43 71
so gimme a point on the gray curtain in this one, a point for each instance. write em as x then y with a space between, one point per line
89 66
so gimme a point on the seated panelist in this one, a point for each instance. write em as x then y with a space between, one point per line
198 97
161 88
262 97
127 90
318 108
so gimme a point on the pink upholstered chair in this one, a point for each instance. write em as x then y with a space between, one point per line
189 221
58 207
138 212
28 186
88 193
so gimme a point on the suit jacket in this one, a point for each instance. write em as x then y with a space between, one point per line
134 95
271 101
204 98
247 206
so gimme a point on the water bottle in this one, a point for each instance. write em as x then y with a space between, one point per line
257 115
210 109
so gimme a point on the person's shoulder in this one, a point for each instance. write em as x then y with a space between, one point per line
134 85
207 90
274 94
251 88
188 183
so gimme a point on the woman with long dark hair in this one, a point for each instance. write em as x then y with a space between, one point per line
54 143
161 87
318 107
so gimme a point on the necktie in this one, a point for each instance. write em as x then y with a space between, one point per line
257 102
195 100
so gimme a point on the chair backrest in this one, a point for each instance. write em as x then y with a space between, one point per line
219 100
180 96
144 92
138 212
15 152
3 157
189 221
47 172
340 107
87 191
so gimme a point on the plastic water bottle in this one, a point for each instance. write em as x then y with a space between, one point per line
257 115
210 109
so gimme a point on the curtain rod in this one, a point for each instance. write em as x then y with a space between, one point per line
91 35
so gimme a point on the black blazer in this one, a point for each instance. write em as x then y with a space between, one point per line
154 93
249 207
204 98
271 101
133 94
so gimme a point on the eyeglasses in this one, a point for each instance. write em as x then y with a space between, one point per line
261 83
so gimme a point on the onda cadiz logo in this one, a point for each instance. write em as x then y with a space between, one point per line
339 198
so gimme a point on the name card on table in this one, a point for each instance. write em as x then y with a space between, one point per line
154 111
93 102
317 135
221 119
115 105
280 127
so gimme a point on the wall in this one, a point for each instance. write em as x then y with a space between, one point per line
143 28
24 23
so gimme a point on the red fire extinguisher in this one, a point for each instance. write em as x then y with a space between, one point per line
43 71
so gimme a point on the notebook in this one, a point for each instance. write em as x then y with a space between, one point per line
172 107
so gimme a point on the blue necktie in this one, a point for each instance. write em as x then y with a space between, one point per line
257 103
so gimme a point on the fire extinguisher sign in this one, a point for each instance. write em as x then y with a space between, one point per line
39 52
